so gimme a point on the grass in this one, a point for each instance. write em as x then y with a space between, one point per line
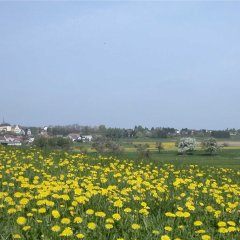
228 157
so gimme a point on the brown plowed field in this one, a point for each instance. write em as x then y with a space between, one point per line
230 143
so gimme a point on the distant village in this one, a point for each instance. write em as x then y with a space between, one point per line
16 135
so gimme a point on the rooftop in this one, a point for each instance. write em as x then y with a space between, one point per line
4 124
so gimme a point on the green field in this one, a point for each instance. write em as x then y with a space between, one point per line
227 157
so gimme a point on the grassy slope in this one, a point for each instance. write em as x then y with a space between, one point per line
229 157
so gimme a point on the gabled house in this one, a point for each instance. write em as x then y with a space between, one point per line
11 140
16 129
73 136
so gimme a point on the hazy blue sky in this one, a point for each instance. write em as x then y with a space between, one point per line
121 64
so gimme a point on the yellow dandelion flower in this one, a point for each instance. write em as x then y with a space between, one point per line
55 228
17 194
179 214
168 228
42 210
231 223
65 197
222 224
232 229
80 236
24 201
26 228
155 232
77 220
50 203
11 211
21 220
143 211
108 226
100 214
127 210
66 232
135 226
197 223
222 230
92 225
165 237
181 226
89 212
109 220
16 236
206 237
200 231
74 203
56 214
65 220
116 216
118 203
186 214
169 214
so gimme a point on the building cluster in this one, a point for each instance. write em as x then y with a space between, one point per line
14 135
80 138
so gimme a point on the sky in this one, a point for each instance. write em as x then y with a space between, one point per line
120 63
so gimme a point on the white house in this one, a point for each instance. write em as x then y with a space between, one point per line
5 127
28 132
16 129
177 131
80 138
86 138
31 140
73 136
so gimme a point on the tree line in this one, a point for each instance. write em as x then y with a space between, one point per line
137 132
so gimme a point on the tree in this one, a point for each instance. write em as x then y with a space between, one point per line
210 146
114 148
41 142
143 150
220 134
186 145
99 144
104 145
159 146
63 142
52 142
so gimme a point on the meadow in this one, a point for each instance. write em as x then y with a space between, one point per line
68 195
227 157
